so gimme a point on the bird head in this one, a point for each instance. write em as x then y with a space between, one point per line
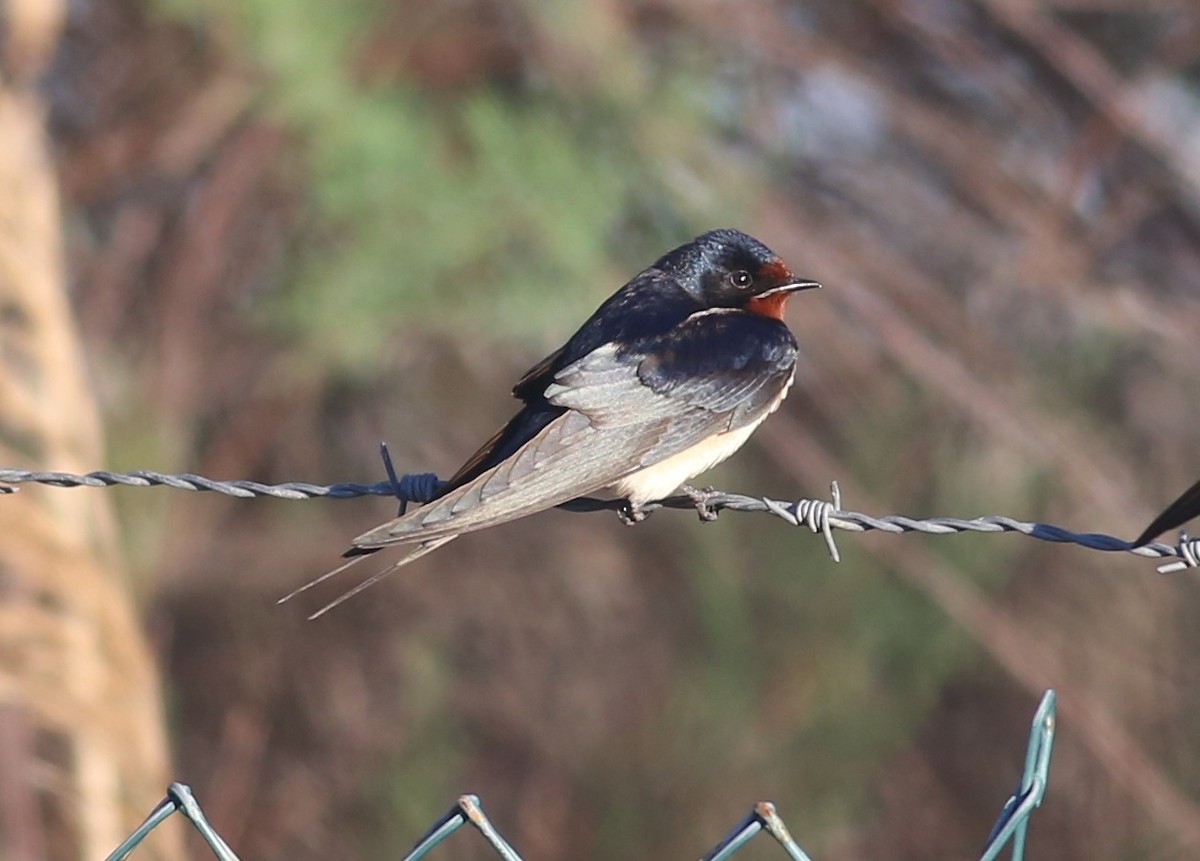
729 269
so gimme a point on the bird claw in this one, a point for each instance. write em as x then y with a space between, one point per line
702 498
632 515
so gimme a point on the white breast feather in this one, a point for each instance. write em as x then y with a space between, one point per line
663 478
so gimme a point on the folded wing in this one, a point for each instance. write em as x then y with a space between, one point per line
625 409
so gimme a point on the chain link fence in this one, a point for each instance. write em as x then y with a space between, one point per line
1010 828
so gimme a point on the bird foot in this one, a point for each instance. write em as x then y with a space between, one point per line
702 499
632 515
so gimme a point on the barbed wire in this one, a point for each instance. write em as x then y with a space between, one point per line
190 481
820 516
1011 827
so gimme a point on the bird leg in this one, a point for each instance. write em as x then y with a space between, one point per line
702 499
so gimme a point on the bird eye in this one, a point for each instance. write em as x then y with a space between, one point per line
741 279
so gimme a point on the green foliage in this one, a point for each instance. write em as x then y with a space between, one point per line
490 235
481 210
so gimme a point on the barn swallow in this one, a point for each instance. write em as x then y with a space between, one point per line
1178 513
667 378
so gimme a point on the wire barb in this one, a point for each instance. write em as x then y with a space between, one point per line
419 487
1188 550
814 513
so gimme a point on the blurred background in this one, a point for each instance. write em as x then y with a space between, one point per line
252 238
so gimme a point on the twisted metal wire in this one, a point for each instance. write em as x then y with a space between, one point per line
412 488
818 515
190 481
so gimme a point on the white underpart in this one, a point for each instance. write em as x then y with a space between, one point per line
663 478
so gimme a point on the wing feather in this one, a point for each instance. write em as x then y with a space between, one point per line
623 410
1176 514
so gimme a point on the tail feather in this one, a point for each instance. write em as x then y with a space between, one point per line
420 550
338 570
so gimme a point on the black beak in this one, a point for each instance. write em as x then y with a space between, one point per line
791 287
